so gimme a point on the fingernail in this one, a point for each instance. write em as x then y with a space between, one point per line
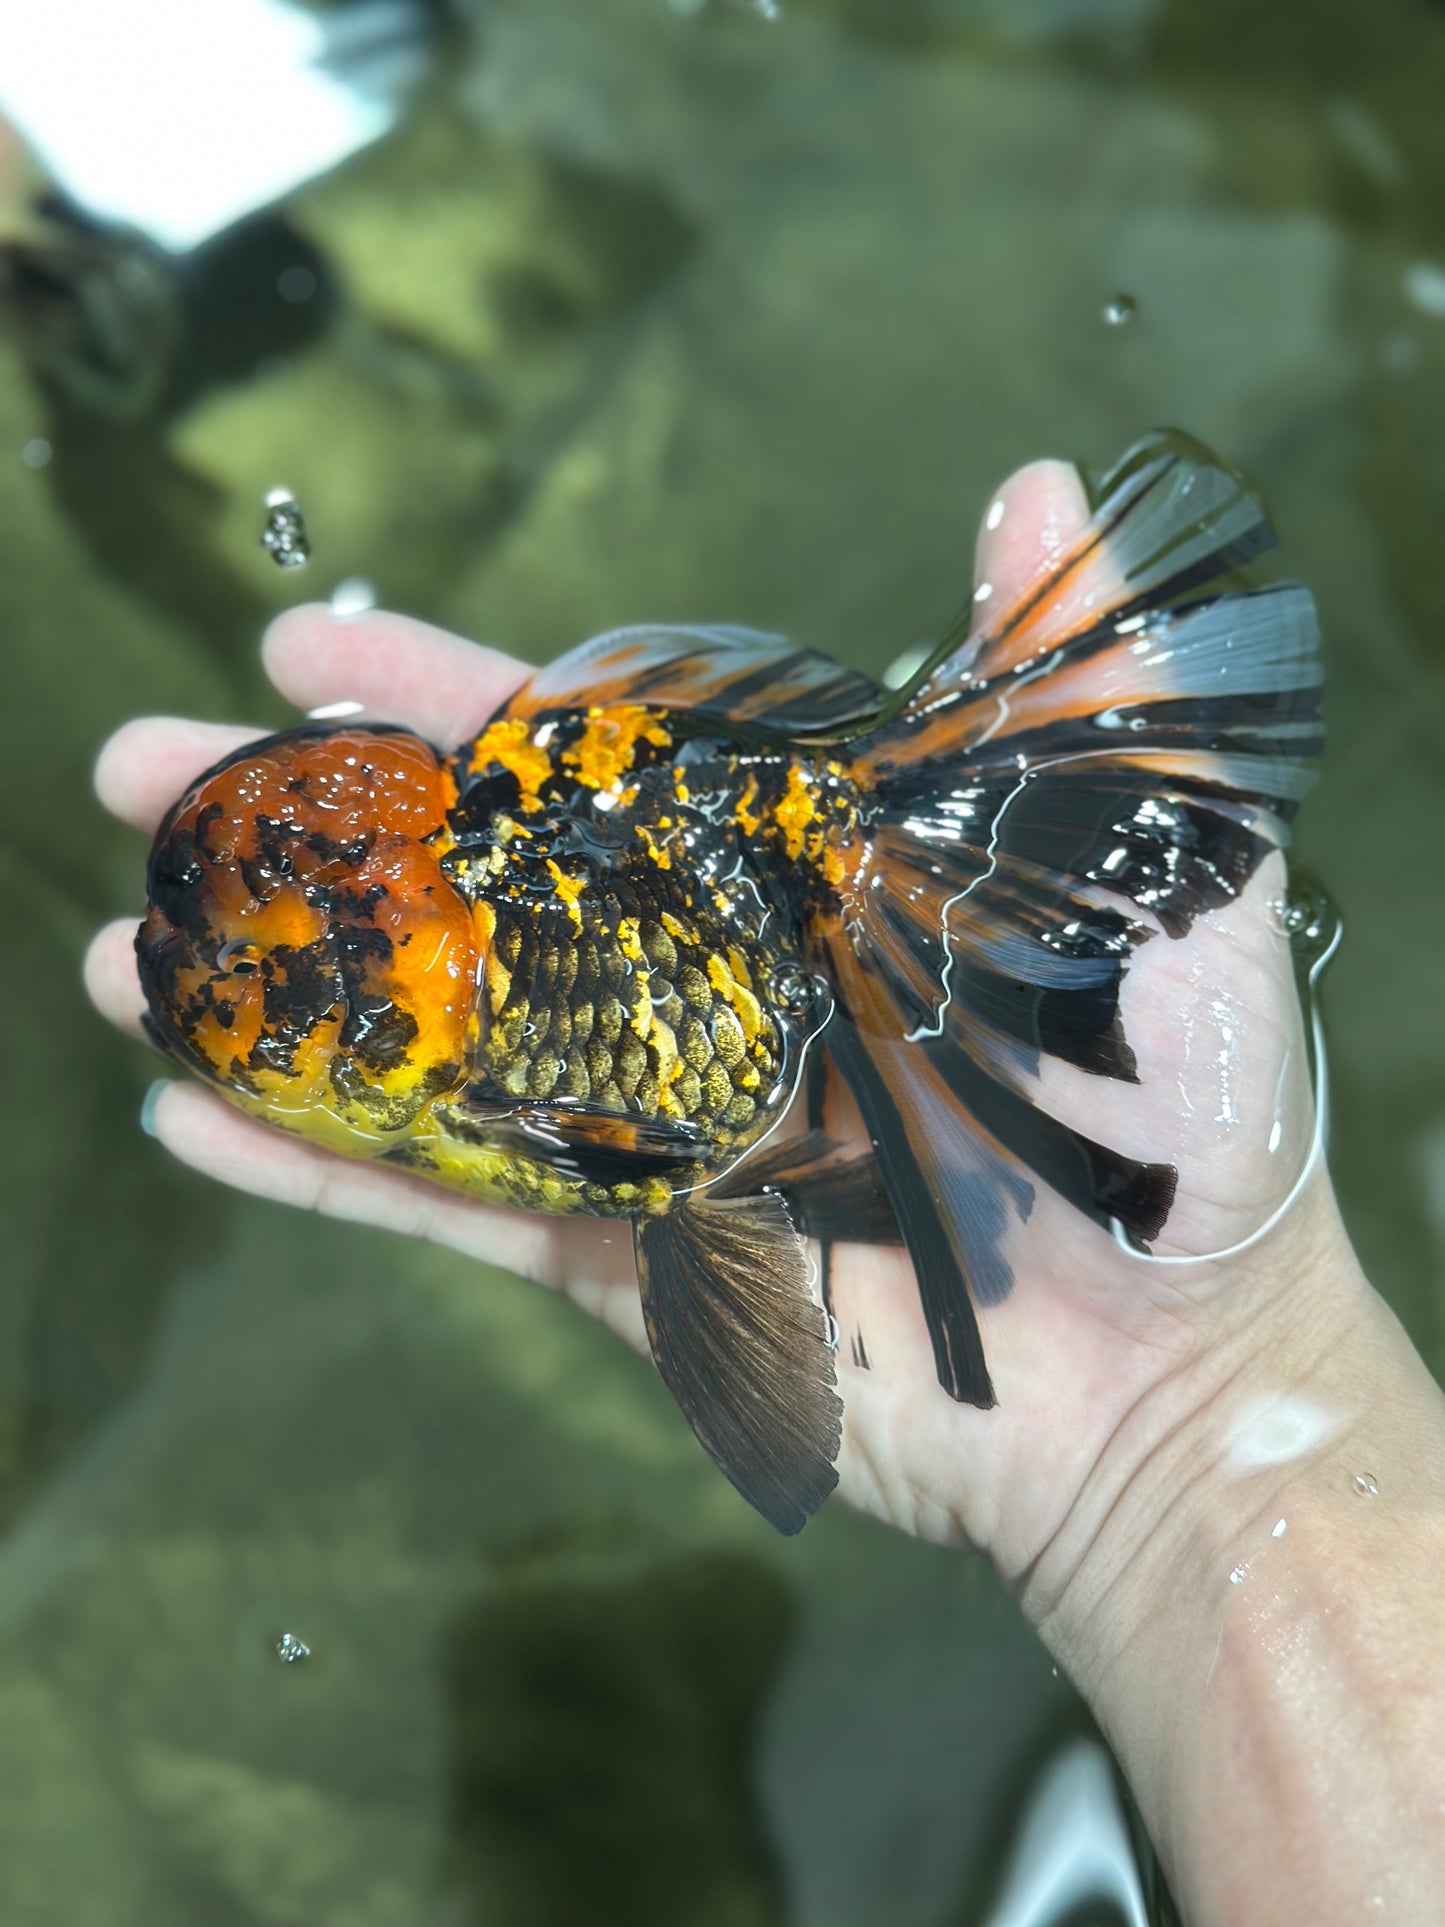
150 1104
328 712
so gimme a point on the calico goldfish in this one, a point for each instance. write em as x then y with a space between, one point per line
585 961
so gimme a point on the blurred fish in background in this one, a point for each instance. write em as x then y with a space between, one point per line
242 101
137 275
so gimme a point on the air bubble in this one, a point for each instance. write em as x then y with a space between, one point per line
295 285
1366 1485
290 1649
1118 311
284 537
795 990
36 452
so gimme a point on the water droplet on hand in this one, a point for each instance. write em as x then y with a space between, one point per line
284 537
1366 1485
1118 311
1239 1575
289 1649
352 597
906 666
1308 918
1281 1527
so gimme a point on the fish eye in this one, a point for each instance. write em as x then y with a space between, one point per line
238 955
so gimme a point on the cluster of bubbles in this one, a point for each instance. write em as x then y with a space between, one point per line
284 536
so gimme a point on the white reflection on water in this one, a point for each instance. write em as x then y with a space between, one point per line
237 104
1073 1846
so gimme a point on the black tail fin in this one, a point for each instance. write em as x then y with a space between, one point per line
1115 737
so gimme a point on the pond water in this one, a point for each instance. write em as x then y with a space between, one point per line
348 1584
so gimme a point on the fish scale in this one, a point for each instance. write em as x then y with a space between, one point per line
580 1019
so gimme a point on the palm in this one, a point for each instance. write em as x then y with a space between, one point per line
1088 1329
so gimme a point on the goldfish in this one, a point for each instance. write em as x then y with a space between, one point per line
586 961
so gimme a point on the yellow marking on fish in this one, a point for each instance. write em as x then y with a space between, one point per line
738 996
568 889
675 928
833 867
607 747
641 1018
679 786
629 942
508 741
498 981
738 964
795 810
659 852
746 821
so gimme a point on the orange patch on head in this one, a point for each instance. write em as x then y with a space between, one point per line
304 948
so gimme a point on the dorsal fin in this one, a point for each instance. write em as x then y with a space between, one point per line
736 675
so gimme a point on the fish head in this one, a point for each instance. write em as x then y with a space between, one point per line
303 948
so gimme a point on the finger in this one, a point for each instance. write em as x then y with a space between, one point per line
110 976
1037 513
589 1258
148 763
394 667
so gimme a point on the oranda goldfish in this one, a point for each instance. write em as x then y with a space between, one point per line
579 964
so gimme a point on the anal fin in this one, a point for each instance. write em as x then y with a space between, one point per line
743 1348
839 1200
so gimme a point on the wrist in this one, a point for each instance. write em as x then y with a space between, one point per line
1225 1594
1266 1393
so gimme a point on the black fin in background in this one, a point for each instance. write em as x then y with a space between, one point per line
761 1169
836 1200
743 1348
943 1284
842 1202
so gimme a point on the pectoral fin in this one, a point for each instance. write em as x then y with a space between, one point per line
743 1348
580 1140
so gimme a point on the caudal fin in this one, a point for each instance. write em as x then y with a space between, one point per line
1121 738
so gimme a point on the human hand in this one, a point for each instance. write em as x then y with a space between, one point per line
1096 1345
